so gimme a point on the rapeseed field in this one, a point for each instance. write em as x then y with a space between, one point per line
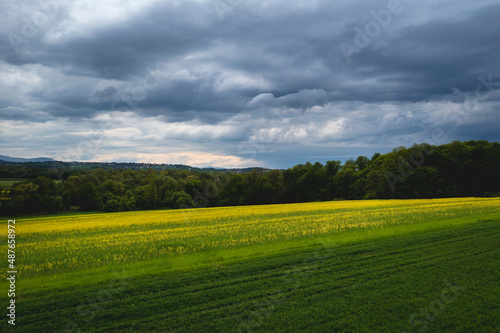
51 244
343 266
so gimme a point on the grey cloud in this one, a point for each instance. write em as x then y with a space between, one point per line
261 56
106 95
304 99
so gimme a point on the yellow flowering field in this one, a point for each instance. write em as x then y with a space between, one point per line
50 244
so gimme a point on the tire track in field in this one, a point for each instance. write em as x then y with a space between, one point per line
394 253
440 256
269 274
256 277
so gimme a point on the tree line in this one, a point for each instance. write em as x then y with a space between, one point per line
456 169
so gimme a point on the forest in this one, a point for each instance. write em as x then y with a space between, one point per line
457 169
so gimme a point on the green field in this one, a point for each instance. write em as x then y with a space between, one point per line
7 183
355 266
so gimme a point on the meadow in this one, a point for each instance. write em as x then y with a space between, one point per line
8 183
343 266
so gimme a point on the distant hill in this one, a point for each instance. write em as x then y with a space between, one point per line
21 160
49 163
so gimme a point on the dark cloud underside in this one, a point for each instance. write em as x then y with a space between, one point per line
244 83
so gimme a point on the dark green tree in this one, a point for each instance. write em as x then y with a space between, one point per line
89 197
183 200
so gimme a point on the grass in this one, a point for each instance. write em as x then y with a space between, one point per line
7 183
429 264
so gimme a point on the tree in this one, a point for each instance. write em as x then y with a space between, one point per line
55 203
344 179
252 186
113 205
233 192
25 198
375 156
276 179
46 186
89 197
332 167
143 196
183 200
362 162
291 177
109 185
374 185
192 184
422 171
66 199
24 191
127 203
311 185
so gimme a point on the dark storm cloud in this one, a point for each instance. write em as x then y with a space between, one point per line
248 69
430 58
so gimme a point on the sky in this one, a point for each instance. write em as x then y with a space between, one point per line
239 83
